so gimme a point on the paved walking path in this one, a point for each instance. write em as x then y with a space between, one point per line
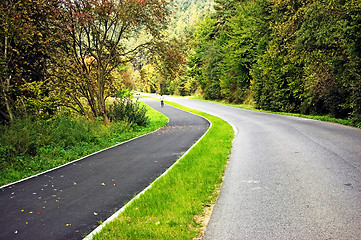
69 202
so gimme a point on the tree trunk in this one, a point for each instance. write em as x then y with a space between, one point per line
101 99
82 109
4 116
6 89
6 84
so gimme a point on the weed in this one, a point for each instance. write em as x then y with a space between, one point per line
30 147
126 109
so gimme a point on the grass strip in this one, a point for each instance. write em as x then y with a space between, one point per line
175 206
51 156
315 117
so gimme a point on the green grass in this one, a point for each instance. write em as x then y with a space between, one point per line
315 117
28 148
176 203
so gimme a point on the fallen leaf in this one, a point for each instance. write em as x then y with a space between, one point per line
68 224
34 193
27 223
38 213
16 232
95 213
74 183
103 184
31 212
22 210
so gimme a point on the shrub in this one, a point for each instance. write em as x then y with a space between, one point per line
20 137
27 137
129 111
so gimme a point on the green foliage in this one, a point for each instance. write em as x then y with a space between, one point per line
227 47
26 43
205 63
188 14
296 56
243 43
127 110
26 137
166 73
64 53
28 147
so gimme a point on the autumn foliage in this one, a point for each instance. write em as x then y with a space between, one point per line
63 52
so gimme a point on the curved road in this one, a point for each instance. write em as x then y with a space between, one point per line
287 178
69 202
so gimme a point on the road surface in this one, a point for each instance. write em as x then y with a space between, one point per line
69 202
287 178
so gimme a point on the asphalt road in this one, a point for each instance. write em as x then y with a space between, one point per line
287 178
69 202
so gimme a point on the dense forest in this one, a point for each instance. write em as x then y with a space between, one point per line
66 56
294 56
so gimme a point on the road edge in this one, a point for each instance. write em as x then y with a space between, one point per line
116 214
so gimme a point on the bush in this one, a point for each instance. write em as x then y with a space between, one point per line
127 110
27 137
66 131
20 138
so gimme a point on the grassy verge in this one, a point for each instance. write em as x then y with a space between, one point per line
49 144
315 117
175 206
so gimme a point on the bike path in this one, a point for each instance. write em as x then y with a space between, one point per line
69 202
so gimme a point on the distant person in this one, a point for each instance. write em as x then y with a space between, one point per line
161 100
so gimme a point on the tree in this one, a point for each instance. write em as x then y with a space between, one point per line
326 41
204 63
97 39
277 74
247 34
25 47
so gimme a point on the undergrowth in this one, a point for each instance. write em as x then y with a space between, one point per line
29 147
